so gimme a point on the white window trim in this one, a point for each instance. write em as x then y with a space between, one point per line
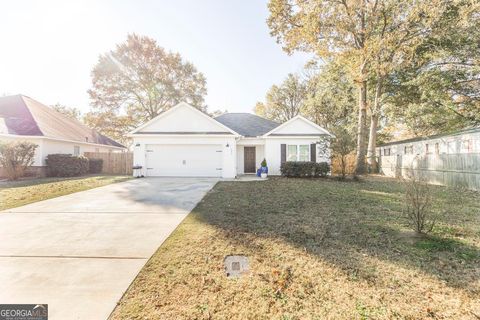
452 147
298 152
408 149
428 148
466 146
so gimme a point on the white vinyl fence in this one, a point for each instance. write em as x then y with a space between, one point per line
456 170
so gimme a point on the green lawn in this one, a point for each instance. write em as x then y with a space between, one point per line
18 193
318 249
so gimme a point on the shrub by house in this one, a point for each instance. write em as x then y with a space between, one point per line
95 165
308 169
16 157
66 165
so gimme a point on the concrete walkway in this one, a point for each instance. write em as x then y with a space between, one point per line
79 253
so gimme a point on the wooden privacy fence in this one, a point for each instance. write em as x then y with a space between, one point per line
114 162
456 170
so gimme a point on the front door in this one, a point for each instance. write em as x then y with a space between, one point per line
249 159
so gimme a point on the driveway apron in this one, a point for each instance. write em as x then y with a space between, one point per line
79 253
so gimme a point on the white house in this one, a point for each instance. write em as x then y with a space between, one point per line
184 141
451 159
460 142
25 119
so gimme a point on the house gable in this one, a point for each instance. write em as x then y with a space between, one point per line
298 126
183 119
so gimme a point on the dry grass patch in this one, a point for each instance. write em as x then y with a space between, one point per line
22 192
318 249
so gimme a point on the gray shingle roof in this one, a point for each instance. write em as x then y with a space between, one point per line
24 116
247 124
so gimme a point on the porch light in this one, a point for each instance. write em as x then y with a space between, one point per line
227 145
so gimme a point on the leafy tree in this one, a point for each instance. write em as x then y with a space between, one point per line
440 90
285 101
112 124
342 145
16 157
137 81
440 34
356 33
324 94
330 97
259 109
70 112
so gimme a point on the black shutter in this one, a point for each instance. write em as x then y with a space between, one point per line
313 152
283 153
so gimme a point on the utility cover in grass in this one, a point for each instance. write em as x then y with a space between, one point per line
236 266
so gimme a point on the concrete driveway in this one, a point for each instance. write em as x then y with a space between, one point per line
79 253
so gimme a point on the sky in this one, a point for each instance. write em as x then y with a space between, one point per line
48 48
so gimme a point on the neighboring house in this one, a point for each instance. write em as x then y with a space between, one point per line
24 119
184 141
449 159
464 141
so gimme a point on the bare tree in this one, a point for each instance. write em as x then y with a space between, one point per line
418 203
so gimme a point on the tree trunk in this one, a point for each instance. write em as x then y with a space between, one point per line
372 144
360 167
372 140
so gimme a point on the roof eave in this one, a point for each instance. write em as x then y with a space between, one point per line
58 139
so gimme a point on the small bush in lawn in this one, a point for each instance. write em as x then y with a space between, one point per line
296 169
95 165
66 165
418 203
342 147
16 157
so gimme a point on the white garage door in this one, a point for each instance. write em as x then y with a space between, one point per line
184 160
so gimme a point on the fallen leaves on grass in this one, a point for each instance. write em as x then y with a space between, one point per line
318 249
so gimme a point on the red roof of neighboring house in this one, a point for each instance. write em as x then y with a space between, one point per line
24 116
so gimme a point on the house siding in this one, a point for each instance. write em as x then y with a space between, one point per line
171 127
46 147
452 160
52 147
273 151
